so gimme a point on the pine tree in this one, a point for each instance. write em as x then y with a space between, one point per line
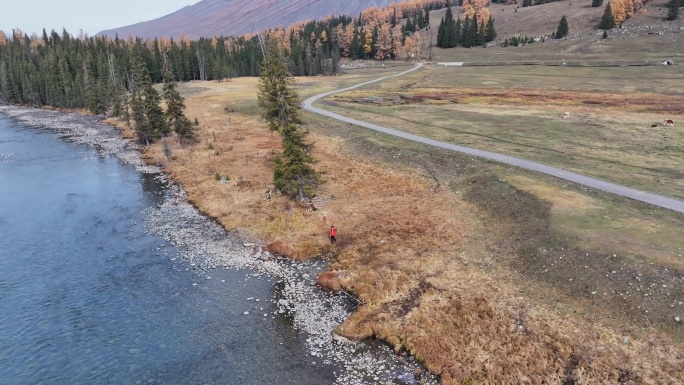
449 39
563 28
673 9
293 172
440 34
147 114
465 31
607 20
278 101
491 31
596 3
457 32
175 117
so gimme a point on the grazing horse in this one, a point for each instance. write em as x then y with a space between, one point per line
669 122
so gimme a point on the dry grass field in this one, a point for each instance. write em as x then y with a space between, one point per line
488 274
608 134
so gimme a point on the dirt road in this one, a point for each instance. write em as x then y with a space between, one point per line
638 195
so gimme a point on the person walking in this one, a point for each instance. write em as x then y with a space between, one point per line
333 234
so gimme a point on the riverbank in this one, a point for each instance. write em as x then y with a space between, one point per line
206 246
453 263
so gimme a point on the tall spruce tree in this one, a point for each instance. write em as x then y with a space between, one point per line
673 9
491 31
607 20
449 33
293 171
147 114
440 34
563 28
175 106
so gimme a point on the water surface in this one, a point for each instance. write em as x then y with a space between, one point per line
87 297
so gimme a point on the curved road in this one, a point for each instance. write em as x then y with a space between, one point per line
638 195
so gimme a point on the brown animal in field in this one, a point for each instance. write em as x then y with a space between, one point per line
566 115
654 125
669 123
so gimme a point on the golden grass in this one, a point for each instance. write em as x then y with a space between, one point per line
418 255
329 280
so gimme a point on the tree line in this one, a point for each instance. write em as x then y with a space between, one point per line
69 71
471 32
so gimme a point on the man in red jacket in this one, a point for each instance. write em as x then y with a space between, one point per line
333 234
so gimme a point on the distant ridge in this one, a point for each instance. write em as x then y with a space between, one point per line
209 18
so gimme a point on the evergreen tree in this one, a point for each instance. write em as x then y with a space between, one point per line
491 31
175 117
278 101
465 31
673 9
409 27
449 38
147 114
563 28
607 20
293 172
596 3
440 34
457 32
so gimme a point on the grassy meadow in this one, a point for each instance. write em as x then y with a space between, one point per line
520 112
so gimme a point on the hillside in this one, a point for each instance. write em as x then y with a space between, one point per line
233 17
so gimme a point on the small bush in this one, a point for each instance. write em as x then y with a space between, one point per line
217 176
328 280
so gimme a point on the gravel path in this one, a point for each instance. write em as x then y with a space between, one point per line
638 195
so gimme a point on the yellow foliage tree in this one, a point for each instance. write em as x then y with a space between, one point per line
408 47
417 45
3 38
368 45
468 11
347 39
619 13
397 35
383 45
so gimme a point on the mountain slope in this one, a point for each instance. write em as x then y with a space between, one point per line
231 17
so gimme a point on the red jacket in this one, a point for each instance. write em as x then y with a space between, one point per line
333 232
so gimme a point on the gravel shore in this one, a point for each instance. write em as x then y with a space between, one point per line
205 246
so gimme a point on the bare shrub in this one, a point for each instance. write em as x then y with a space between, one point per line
279 248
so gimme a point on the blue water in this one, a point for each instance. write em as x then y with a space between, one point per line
86 297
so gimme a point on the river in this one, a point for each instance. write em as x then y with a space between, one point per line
108 276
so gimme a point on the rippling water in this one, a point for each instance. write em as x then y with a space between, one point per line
86 297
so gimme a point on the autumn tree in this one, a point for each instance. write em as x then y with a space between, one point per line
619 14
368 43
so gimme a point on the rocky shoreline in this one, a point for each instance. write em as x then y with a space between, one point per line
205 246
